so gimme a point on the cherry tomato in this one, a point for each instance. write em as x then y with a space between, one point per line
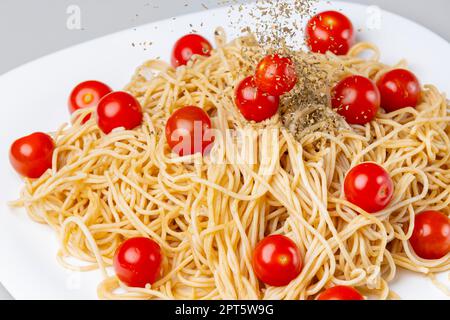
357 99
330 31
87 94
340 293
399 88
137 262
431 235
187 46
275 75
32 155
369 186
188 131
118 109
254 104
277 260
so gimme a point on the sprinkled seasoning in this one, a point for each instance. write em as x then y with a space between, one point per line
276 22
144 45
306 109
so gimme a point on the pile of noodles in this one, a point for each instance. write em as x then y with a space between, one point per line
208 213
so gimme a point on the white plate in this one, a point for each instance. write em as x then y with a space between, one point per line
33 97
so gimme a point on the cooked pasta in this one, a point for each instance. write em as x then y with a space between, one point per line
208 213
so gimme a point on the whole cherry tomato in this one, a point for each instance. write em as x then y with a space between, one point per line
87 94
137 262
277 260
275 75
254 104
399 88
118 109
188 131
369 186
330 31
32 155
340 293
431 235
357 99
187 46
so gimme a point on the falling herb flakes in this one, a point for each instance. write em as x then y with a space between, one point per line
277 28
145 45
275 22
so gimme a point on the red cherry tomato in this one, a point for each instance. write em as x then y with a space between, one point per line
277 260
118 109
187 46
369 186
275 75
87 94
330 31
188 131
399 88
340 293
254 104
32 155
357 99
431 235
137 262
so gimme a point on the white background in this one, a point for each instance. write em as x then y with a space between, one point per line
32 28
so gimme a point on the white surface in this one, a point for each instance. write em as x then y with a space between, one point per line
34 98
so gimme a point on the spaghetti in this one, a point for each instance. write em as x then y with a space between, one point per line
208 213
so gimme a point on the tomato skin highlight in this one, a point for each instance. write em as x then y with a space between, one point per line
187 46
431 236
277 260
399 88
187 130
357 99
32 155
330 31
369 187
275 75
118 109
253 104
340 293
87 94
137 262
